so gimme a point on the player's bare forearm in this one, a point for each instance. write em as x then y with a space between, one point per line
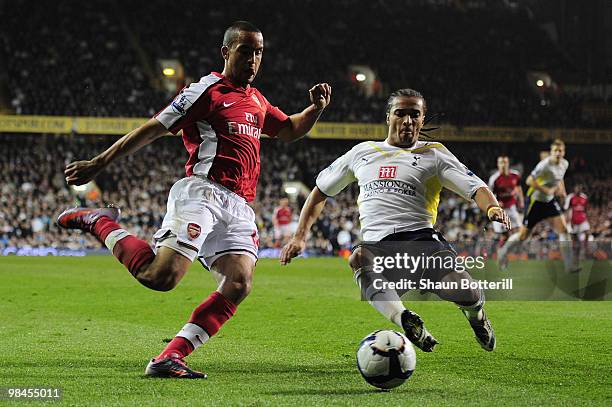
81 172
301 123
487 203
133 141
484 198
310 212
520 197
561 192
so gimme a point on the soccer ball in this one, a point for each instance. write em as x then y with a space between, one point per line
386 359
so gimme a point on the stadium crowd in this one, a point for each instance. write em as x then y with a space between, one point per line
107 65
62 68
33 190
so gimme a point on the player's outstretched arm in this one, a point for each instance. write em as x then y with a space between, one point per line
561 192
310 212
520 197
301 123
81 172
487 203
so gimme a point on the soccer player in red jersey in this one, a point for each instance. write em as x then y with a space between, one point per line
506 186
578 202
208 217
282 221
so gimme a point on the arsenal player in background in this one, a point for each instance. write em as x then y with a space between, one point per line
208 217
577 203
281 220
506 186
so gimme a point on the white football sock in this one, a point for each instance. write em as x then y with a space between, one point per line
565 246
379 299
194 334
392 310
114 236
510 244
474 311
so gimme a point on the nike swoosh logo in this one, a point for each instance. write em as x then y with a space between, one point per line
228 104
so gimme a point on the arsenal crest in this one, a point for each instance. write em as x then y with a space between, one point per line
193 231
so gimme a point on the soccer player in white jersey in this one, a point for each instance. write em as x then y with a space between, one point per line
545 183
400 180
208 216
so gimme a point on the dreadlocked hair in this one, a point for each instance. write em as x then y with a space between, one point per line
426 130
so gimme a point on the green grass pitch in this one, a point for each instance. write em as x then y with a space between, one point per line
85 325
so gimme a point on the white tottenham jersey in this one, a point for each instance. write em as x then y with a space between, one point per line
399 188
547 174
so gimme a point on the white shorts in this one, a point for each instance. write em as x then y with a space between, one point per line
205 220
515 218
282 231
580 228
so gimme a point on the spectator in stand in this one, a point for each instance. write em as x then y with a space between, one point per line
28 198
85 49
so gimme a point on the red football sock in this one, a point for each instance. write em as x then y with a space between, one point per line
177 348
132 252
103 227
205 321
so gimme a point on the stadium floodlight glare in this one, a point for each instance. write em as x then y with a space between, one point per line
539 83
360 77
169 71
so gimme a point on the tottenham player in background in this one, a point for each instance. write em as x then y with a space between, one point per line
208 216
545 184
506 186
400 180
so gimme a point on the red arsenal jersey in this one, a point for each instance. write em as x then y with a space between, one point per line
503 187
282 214
578 204
222 124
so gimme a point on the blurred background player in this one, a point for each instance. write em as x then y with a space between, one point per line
404 212
208 216
281 219
545 184
506 186
576 203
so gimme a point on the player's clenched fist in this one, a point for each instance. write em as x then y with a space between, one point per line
291 250
81 172
320 95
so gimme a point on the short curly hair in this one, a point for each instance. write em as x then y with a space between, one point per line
233 32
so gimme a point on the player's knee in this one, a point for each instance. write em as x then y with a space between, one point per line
241 283
163 284
524 234
355 260
160 282
453 283
161 277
